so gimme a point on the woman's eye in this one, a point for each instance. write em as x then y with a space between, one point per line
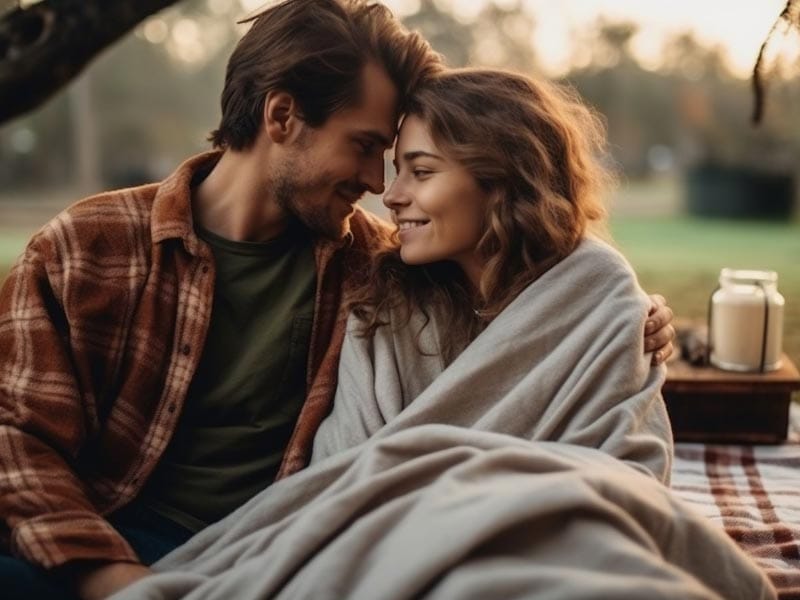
421 173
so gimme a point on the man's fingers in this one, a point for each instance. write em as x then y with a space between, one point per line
661 355
658 330
658 319
659 339
657 301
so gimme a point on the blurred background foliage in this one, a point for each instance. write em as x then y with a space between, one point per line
153 97
151 100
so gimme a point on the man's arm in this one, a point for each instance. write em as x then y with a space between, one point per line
658 331
45 510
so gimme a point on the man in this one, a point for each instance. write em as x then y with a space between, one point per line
166 351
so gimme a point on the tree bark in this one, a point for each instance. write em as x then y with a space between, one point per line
43 47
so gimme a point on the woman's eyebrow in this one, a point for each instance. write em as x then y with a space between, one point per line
419 154
412 154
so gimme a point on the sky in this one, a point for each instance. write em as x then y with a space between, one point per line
739 26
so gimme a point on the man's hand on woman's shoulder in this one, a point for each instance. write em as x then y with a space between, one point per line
658 331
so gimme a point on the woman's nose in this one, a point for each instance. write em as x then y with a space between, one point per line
395 197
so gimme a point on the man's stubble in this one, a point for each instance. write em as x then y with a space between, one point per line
297 185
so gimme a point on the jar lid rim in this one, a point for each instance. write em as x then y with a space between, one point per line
748 275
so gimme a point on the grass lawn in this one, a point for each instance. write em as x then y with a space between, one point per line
681 257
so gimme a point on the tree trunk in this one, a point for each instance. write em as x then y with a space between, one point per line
46 45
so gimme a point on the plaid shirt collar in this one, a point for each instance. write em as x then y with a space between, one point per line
172 209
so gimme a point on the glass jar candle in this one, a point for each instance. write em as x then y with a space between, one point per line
745 327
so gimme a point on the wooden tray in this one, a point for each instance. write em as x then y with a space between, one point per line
706 404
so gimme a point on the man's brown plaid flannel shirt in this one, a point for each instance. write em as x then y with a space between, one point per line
102 324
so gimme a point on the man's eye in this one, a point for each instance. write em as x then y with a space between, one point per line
367 147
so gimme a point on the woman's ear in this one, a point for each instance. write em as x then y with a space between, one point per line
280 116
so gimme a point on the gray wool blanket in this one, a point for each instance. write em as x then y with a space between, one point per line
532 466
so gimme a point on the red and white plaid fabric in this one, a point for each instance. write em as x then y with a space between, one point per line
753 492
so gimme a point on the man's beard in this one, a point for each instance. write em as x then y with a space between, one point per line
289 193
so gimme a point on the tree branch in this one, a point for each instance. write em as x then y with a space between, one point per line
789 17
43 47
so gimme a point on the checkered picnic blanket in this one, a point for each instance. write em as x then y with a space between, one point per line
754 493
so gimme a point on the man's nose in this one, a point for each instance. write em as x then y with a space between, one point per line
372 175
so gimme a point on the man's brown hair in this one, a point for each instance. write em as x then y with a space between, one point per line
316 51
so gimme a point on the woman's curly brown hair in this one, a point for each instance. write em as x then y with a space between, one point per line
538 152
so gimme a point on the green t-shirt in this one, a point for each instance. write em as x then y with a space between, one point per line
250 384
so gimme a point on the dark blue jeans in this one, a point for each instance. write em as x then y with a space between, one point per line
149 534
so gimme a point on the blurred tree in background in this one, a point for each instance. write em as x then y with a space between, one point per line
151 100
137 110
45 44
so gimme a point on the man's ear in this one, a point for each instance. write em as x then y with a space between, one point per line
281 116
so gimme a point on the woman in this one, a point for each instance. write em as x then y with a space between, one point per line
500 179
497 328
